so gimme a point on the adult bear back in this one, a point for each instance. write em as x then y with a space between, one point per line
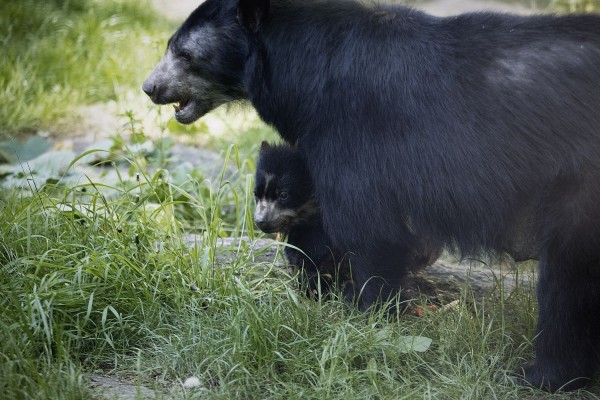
480 131
456 125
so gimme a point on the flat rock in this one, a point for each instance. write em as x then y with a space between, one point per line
109 388
442 282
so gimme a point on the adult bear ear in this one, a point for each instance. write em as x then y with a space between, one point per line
251 13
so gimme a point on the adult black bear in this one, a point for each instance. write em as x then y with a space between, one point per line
285 203
480 131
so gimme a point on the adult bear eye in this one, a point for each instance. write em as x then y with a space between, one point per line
185 55
283 196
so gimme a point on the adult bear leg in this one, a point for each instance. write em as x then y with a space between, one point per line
567 343
378 271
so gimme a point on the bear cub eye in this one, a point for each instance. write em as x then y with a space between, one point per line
283 196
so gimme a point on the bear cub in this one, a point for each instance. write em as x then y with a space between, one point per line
285 203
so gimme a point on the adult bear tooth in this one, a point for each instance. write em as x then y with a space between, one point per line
176 107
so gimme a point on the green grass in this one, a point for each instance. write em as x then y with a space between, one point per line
58 55
100 281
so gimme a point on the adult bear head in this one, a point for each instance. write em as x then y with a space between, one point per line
203 65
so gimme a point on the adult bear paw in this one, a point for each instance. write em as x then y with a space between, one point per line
550 378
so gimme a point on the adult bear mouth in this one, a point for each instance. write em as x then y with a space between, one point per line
186 111
181 105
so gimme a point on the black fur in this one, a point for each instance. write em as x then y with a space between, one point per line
480 131
282 170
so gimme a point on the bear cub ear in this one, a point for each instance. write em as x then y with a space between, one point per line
251 13
265 145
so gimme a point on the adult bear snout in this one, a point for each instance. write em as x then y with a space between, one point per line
148 87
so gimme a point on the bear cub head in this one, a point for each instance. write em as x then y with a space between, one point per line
283 190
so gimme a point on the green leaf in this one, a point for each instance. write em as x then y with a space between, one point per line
413 343
387 339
